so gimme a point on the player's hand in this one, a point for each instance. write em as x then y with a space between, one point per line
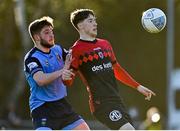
145 91
68 60
67 74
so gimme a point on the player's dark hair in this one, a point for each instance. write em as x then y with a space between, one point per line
37 25
79 15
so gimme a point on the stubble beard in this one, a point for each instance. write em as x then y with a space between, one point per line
46 44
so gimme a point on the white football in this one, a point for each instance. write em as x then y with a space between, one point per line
153 20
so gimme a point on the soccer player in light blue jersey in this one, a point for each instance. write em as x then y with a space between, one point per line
46 65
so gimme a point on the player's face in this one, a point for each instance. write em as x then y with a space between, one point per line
89 26
47 37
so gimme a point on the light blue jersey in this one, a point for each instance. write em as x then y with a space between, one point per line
36 60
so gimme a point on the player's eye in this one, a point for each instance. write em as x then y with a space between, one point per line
90 21
48 32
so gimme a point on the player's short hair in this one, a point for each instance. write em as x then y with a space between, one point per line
79 15
37 25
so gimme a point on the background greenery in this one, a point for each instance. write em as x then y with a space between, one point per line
142 54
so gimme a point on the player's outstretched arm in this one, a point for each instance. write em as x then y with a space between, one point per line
125 78
145 91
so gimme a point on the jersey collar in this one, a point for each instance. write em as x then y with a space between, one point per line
93 42
42 51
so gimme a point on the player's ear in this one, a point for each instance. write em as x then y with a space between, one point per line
36 37
80 26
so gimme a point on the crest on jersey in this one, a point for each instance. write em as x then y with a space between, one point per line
43 121
46 62
101 55
58 56
115 115
32 65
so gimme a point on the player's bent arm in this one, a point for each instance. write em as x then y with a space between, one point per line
42 78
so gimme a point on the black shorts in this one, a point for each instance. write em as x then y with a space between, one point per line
112 114
55 115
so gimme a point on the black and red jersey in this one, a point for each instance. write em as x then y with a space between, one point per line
97 66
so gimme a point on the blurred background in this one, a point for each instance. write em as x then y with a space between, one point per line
152 59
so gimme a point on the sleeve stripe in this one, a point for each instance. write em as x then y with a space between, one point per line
36 70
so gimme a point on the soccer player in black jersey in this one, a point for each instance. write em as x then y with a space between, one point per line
95 62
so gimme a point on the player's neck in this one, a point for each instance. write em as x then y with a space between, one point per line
43 49
87 37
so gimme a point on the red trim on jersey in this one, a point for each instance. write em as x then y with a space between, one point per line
123 76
